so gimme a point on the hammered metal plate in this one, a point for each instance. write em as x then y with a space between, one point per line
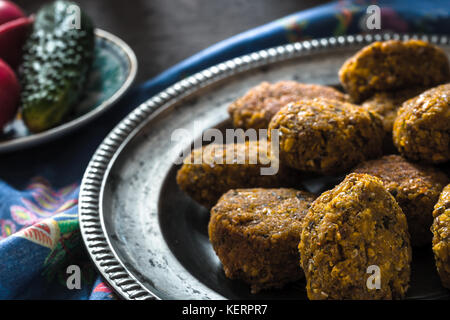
147 238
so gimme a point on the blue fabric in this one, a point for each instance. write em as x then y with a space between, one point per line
39 187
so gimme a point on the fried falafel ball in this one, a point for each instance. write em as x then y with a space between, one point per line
255 233
387 103
422 128
392 65
221 167
441 238
416 189
326 136
348 229
259 104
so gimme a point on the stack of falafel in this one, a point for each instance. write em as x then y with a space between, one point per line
397 98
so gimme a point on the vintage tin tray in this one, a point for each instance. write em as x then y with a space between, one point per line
146 237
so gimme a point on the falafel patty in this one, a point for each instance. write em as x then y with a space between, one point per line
416 189
392 65
255 234
356 225
259 104
326 136
441 238
422 128
227 166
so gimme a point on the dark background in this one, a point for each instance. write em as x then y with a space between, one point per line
164 32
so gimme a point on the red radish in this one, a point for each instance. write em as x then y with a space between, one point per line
9 94
13 35
9 11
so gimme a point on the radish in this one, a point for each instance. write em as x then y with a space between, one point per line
9 11
9 94
13 35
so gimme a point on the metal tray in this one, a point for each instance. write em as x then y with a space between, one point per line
146 237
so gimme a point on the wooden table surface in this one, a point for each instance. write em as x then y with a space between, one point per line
164 32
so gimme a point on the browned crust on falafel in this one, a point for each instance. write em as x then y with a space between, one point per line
387 103
422 128
255 233
261 103
392 65
349 228
206 181
415 187
326 136
441 236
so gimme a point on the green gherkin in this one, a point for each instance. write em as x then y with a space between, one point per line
57 58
